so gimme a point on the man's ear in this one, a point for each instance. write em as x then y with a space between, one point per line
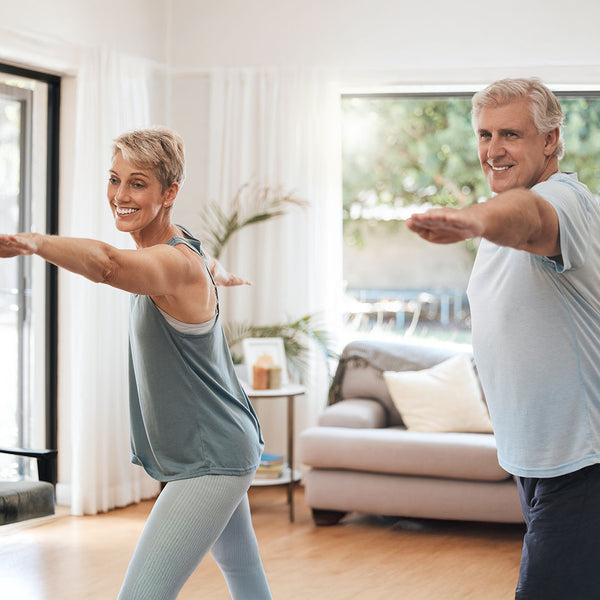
551 141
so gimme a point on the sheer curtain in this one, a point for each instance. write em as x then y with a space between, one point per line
114 93
112 97
281 127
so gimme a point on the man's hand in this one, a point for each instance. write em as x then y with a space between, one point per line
517 218
446 225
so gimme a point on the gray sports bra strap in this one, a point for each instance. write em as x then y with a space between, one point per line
196 245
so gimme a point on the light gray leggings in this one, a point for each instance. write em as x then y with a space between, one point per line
191 517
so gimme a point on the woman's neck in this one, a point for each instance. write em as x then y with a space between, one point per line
155 234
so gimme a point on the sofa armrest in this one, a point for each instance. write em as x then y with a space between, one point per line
46 462
356 413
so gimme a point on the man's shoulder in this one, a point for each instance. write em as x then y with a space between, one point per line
563 187
560 180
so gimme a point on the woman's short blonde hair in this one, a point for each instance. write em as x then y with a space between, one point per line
546 110
159 149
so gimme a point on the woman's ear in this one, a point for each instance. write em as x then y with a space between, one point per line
170 195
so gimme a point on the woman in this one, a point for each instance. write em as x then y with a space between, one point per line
192 425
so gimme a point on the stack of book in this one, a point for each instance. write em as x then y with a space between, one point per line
271 466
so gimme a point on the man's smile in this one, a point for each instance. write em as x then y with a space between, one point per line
499 168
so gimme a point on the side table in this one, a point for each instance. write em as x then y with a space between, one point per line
290 476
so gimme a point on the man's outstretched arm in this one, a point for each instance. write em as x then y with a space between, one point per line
517 218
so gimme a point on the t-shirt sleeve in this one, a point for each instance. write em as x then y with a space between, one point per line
571 200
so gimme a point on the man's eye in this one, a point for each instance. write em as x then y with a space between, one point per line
484 135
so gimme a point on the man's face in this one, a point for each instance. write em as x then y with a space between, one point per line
511 151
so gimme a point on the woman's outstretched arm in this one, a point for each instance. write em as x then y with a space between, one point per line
153 271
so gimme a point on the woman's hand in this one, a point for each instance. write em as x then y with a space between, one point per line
223 277
17 245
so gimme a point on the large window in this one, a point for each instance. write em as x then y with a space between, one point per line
28 185
403 154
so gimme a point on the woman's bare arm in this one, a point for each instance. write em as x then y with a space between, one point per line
155 271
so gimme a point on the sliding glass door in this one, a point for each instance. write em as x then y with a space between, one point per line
27 286
15 274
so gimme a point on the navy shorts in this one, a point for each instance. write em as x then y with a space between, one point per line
561 547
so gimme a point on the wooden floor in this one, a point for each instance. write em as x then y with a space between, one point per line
85 558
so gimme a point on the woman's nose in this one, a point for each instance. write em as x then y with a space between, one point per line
118 194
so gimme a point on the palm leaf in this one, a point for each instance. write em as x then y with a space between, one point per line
251 205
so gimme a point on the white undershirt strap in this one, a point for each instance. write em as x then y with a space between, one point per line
191 328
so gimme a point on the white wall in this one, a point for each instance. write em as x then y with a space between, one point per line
130 26
384 34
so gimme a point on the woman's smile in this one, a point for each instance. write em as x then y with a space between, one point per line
123 211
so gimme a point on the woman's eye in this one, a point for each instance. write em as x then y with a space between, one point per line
138 185
112 181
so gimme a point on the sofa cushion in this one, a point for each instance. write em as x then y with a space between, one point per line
358 413
21 500
362 363
445 397
469 456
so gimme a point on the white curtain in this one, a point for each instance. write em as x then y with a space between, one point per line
281 127
114 93
112 97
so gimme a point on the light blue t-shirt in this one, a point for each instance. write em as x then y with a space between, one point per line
536 340
189 413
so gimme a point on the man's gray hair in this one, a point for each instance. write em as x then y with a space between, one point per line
546 111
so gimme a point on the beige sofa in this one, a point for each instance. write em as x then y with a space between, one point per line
361 457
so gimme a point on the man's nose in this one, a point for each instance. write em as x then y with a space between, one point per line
495 147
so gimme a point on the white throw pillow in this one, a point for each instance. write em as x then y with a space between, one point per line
446 397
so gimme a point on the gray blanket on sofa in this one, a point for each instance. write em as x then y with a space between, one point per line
386 356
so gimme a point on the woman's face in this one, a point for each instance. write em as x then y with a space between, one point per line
135 196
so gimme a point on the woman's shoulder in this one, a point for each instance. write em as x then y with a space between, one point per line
188 239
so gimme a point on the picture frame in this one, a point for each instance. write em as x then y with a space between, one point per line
268 351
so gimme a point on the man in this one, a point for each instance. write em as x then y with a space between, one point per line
535 304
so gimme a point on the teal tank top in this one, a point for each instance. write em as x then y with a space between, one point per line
189 413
